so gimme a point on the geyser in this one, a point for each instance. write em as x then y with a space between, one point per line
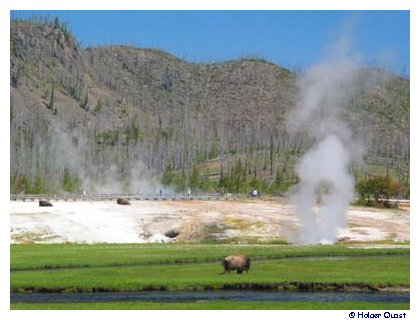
325 188
324 191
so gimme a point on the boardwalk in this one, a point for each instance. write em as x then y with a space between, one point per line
145 197
113 197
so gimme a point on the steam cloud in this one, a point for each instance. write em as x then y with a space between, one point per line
325 189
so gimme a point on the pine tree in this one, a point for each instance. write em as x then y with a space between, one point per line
51 104
195 179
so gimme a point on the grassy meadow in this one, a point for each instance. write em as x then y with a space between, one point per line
213 305
133 267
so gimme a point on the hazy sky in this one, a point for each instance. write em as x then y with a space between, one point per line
288 38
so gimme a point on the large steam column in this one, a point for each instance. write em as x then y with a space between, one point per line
325 188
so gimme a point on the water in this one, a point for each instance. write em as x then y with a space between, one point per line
194 296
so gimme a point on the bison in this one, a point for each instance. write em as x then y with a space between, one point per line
240 263
123 201
45 203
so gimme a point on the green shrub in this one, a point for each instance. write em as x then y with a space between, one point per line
377 191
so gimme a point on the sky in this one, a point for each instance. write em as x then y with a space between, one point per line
292 39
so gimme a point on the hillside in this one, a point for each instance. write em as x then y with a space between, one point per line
117 117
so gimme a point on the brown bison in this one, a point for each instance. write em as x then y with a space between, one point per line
240 263
123 201
45 203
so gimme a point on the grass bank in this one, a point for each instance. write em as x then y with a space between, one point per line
52 256
90 268
214 305
343 274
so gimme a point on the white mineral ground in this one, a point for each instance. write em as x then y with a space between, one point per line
148 221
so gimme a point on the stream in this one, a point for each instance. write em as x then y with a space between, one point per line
194 296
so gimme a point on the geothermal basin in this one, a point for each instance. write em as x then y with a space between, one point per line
143 221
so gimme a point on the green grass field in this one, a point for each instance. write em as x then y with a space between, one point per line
46 256
90 268
214 305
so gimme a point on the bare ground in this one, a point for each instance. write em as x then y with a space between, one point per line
219 221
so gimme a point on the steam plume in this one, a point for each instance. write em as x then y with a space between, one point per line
325 188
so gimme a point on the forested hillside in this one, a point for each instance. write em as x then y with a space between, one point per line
120 118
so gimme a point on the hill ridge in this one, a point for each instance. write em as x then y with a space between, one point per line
139 114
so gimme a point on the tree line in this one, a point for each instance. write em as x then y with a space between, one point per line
88 118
